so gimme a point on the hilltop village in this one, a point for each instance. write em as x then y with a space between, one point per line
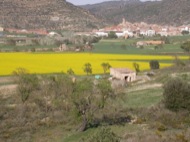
127 29
122 30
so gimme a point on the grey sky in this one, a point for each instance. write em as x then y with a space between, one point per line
81 2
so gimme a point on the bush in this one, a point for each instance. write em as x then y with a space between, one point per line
112 35
27 83
104 135
177 94
185 32
154 64
137 67
33 49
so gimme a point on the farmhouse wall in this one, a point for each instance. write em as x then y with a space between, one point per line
127 76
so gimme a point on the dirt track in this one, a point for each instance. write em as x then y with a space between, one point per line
144 87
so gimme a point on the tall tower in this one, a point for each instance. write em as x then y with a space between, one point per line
124 22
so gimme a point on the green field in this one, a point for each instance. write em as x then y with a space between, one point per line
115 46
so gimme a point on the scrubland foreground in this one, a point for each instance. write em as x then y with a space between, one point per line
48 108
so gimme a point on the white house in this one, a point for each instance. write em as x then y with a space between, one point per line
1 29
130 34
163 33
101 34
123 74
120 34
51 34
150 32
185 29
143 32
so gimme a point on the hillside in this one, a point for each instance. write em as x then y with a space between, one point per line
48 14
170 12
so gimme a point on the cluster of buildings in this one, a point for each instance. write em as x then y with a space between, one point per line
127 29
123 30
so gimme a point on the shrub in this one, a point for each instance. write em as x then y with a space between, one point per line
154 64
27 83
137 67
70 71
176 94
33 49
104 135
184 32
112 35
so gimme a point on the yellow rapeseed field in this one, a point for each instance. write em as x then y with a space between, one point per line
61 62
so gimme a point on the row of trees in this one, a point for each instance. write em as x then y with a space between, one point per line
79 41
88 68
154 64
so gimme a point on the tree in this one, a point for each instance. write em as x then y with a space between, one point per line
154 64
88 99
105 66
112 34
62 89
88 68
27 83
70 71
106 91
11 42
82 99
176 94
186 47
165 39
184 32
104 135
137 67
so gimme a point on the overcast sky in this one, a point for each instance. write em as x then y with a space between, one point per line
81 2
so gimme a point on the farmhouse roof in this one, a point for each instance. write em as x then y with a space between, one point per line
123 70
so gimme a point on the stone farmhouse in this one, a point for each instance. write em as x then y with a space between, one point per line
123 74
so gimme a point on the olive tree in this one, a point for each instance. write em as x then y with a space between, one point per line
104 135
105 66
137 67
27 83
176 94
70 71
154 64
88 99
87 68
186 47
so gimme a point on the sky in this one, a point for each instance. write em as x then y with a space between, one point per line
82 2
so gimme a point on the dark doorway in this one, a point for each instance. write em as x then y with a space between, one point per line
126 78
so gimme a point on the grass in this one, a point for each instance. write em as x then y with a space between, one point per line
150 97
23 48
115 47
